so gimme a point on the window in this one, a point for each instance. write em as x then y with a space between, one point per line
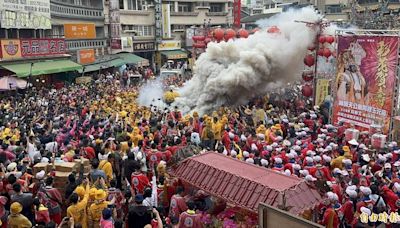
178 27
367 1
217 7
121 4
185 7
333 9
135 4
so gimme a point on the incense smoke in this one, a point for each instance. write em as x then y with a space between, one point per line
230 73
152 93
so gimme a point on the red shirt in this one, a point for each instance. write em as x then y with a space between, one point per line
90 153
189 220
330 215
139 181
177 206
154 157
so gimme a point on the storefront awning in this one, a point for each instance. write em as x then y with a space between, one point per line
175 54
133 59
44 67
104 65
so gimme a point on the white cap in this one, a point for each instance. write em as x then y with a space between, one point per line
287 172
351 193
388 166
279 138
225 152
347 161
309 160
250 160
264 162
298 142
261 136
320 140
279 149
337 171
243 138
233 153
287 143
40 175
278 160
365 190
274 144
353 142
231 135
310 178
290 155
296 166
381 158
269 148
304 172
326 158
396 164
11 167
352 187
345 173
362 146
366 157
317 158
389 155
365 210
246 154
253 147
297 148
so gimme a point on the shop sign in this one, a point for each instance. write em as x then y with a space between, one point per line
166 45
10 49
116 43
25 14
86 56
79 31
144 46
42 47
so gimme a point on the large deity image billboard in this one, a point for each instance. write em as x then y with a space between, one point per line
365 80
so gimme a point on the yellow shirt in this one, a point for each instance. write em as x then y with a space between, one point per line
217 129
78 211
337 162
18 221
95 213
107 168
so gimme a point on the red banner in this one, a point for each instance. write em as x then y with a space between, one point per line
365 80
236 13
42 47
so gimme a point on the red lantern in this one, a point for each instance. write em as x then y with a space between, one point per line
243 33
219 34
199 45
229 34
307 90
309 60
307 76
198 38
320 52
327 52
273 29
321 39
330 39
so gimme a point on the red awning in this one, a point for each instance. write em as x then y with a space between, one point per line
245 185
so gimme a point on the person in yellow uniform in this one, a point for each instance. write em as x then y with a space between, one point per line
77 210
106 166
16 219
217 129
338 161
96 209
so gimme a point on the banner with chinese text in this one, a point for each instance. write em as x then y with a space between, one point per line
79 31
322 91
365 80
42 47
10 49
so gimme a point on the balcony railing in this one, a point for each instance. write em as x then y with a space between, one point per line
80 44
216 13
60 9
184 13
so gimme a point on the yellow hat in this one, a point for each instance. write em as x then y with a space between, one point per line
100 194
195 114
92 192
16 208
80 191
346 149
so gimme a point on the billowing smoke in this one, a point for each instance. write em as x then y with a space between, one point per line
230 73
152 93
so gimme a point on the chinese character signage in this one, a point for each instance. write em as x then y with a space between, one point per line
115 23
169 45
166 21
116 43
25 14
365 80
236 13
79 31
322 91
10 49
145 46
158 20
42 47
86 56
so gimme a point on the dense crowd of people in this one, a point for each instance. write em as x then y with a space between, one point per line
130 148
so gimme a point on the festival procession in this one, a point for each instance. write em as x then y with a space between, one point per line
287 120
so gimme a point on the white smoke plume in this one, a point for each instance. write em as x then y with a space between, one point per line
152 93
230 73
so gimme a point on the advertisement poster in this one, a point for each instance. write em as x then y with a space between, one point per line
25 14
115 23
42 47
322 91
10 49
86 56
166 45
79 31
365 80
